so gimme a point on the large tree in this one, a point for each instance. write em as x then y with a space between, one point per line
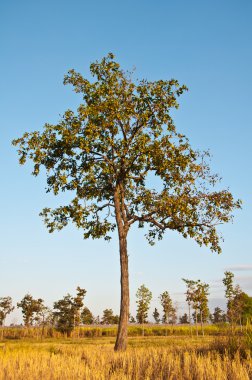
106 154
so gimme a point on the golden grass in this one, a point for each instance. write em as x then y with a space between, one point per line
159 358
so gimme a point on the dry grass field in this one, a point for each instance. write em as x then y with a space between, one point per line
149 358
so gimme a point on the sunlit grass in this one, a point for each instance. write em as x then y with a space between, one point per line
147 358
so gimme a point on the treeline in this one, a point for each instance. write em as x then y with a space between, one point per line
70 311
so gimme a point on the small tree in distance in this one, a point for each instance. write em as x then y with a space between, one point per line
184 319
30 309
6 308
67 311
144 297
109 318
156 316
168 309
87 317
196 297
218 315
104 154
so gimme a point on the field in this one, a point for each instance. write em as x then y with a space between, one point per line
174 354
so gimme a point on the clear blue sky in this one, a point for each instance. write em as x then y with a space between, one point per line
204 44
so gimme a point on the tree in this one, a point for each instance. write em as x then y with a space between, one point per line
67 311
104 155
87 317
5 308
156 315
246 314
173 316
109 318
131 319
30 309
97 320
144 297
202 292
234 298
218 315
184 319
189 296
196 296
168 308
78 304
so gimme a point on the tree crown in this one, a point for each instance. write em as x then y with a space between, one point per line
121 135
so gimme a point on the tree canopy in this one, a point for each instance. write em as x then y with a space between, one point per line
121 132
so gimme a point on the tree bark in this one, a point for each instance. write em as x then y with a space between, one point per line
196 321
122 333
189 312
201 322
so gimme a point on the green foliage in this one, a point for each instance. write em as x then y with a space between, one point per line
144 297
156 316
30 309
131 319
228 282
5 308
109 318
169 310
239 304
246 315
67 311
184 319
122 132
197 296
218 316
87 317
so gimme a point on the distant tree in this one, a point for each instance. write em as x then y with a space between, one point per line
44 316
246 315
144 297
67 311
78 304
189 295
97 320
109 318
184 319
156 315
242 307
218 316
173 316
87 317
202 292
5 308
31 308
228 281
235 300
103 155
169 311
131 319
197 298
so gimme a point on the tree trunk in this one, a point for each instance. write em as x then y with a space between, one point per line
121 340
189 312
201 322
196 322
122 333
